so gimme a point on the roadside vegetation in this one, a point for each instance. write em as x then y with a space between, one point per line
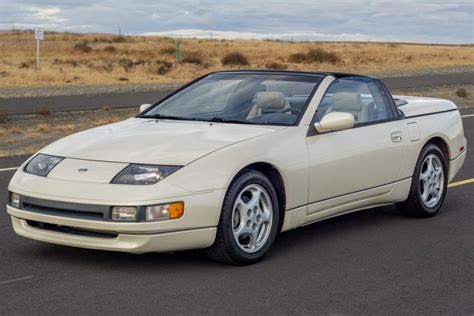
462 93
68 58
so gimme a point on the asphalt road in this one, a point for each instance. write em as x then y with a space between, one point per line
29 105
370 262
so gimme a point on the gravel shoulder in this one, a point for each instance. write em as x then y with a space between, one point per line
60 90
436 71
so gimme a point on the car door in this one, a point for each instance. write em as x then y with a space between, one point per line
351 165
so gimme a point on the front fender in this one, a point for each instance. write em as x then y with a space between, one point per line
285 149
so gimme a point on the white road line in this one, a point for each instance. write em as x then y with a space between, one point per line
467 115
16 280
9 169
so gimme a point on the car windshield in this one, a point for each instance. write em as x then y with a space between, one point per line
247 98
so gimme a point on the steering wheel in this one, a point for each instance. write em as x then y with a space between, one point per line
291 110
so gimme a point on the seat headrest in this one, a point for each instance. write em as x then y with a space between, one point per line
345 101
270 100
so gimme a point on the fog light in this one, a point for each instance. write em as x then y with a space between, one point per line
124 213
15 200
164 211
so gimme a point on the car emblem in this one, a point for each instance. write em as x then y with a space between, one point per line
82 170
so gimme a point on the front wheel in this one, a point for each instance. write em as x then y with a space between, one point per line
249 220
429 184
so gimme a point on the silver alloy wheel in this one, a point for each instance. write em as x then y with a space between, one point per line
431 180
252 218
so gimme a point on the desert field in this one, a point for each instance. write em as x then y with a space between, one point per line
69 58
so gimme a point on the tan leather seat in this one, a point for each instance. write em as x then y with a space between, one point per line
268 102
349 102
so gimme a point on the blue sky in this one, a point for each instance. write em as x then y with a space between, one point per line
374 20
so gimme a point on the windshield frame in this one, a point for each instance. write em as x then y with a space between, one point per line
321 76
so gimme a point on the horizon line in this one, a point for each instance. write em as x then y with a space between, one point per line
302 36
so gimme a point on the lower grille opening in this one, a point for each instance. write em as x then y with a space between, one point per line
62 212
71 230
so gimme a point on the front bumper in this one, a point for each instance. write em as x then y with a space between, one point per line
172 241
196 229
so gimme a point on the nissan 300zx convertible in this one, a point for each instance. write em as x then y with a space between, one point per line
233 158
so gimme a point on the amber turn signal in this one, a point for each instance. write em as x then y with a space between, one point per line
176 210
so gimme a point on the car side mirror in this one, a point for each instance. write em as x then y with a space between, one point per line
144 107
335 121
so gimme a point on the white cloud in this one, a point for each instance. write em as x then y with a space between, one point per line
403 20
197 33
46 14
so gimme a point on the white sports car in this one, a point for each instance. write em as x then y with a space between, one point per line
233 158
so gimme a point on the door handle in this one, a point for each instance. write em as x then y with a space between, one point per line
397 137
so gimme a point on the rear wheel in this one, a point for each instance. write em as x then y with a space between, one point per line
429 184
249 220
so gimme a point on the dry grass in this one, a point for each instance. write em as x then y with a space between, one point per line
169 50
276 66
461 92
65 129
3 117
42 128
110 49
107 120
235 59
315 56
160 67
193 58
15 130
43 111
82 47
297 58
321 56
105 59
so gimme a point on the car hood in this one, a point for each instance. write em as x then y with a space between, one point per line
150 141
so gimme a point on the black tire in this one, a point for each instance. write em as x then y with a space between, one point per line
414 205
225 248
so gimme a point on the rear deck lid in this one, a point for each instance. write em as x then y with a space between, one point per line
414 106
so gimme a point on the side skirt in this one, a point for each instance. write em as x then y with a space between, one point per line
315 212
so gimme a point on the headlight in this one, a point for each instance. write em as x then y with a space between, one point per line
41 165
143 174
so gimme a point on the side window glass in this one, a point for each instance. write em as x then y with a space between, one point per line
359 96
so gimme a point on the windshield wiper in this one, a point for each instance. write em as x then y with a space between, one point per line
169 117
212 119
222 120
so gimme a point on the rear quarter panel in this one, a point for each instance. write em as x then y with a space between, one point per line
444 125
